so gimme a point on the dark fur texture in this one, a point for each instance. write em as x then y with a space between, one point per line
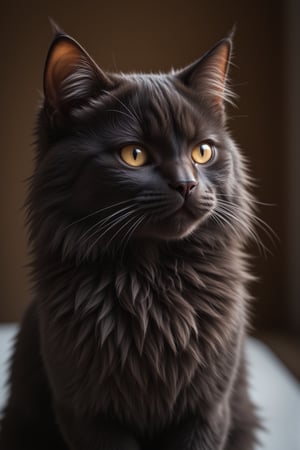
135 336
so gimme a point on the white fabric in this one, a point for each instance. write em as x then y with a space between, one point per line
277 394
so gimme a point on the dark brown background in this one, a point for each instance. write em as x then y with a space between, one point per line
151 36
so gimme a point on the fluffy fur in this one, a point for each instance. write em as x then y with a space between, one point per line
135 336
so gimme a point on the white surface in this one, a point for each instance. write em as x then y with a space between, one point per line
7 334
277 394
273 389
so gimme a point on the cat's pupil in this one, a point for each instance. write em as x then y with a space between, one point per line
136 152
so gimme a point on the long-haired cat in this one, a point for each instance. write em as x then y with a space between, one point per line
139 211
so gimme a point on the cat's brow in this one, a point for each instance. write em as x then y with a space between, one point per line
170 112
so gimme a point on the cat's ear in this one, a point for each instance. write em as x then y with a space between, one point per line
207 77
71 77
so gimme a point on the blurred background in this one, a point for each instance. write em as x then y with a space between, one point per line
158 35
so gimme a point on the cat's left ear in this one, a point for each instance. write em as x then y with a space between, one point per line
207 77
71 77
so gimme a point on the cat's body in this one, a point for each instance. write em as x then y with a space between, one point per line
135 336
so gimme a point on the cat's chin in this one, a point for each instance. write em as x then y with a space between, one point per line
175 227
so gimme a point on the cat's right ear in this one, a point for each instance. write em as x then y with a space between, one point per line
208 76
71 77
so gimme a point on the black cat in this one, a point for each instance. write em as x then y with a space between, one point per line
139 211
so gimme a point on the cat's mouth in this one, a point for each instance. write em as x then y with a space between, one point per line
193 210
179 222
183 211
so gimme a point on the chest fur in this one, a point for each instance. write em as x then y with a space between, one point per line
135 345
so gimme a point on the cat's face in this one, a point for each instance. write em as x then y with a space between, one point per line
159 160
133 156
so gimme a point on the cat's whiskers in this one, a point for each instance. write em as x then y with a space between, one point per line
132 114
270 233
102 223
107 227
223 221
228 216
131 214
125 240
121 228
236 196
94 213
222 218
119 112
156 208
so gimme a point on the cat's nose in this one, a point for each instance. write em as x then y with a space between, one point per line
185 188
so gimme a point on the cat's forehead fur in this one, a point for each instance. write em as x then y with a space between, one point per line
162 106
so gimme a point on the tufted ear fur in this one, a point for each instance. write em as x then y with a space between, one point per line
71 77
208 75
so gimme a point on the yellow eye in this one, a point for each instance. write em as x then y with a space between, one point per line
202 153
134 155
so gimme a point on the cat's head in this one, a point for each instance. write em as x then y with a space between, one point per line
128 157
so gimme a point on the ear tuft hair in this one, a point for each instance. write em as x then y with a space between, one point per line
71 77
208 76
56 29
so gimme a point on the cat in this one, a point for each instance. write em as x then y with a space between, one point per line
139 210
